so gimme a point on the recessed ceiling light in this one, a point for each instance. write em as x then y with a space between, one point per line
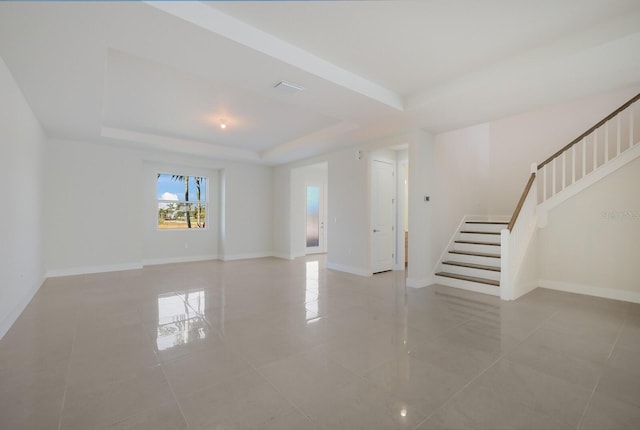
288 87
223 124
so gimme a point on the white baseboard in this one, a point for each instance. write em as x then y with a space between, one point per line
172 260
54 273
591 290
525 288
348 269
247 256
283 255
8 320
419 283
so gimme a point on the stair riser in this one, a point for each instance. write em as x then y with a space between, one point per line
467 285
487 261
489 249
468 271
479 237
495 228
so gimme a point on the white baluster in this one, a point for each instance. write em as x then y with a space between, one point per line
544 182
553 177
573 163
564 170
584 157
618 135
631 142
595 149
606 142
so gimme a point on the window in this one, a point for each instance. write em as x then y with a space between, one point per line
182 201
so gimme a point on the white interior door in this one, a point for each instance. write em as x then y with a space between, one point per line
382 216
315 231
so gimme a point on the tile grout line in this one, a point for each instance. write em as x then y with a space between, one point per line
66 377
586 406
464 386
173 394
500 357
620 329
293 404
161 365
595 387
256 369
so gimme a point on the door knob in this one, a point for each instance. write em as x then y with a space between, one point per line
376 230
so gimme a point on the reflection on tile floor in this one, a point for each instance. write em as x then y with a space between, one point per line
276 344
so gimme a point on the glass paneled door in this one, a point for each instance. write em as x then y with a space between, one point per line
315 219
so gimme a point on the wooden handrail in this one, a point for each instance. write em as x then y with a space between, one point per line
523 197
591 130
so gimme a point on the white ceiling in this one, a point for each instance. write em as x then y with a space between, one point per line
164 75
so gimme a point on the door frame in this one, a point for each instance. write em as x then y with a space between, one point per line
402 175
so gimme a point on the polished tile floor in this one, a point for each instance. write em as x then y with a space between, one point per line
276 344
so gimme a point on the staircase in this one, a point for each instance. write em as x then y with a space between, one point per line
472 261
493 256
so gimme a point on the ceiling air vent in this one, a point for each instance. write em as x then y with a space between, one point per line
285 87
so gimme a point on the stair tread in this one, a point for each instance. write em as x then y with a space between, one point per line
469 278
472 265
478 254
497 233
488 222
472 242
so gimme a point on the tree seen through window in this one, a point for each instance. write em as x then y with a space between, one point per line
182 201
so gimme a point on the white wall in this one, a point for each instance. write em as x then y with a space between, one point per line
402 191
21 248
94 208
101 213
248 212
298 212
462 169
281 212
348 218
422 182
592 241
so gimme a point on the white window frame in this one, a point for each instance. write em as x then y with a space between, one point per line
205 203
